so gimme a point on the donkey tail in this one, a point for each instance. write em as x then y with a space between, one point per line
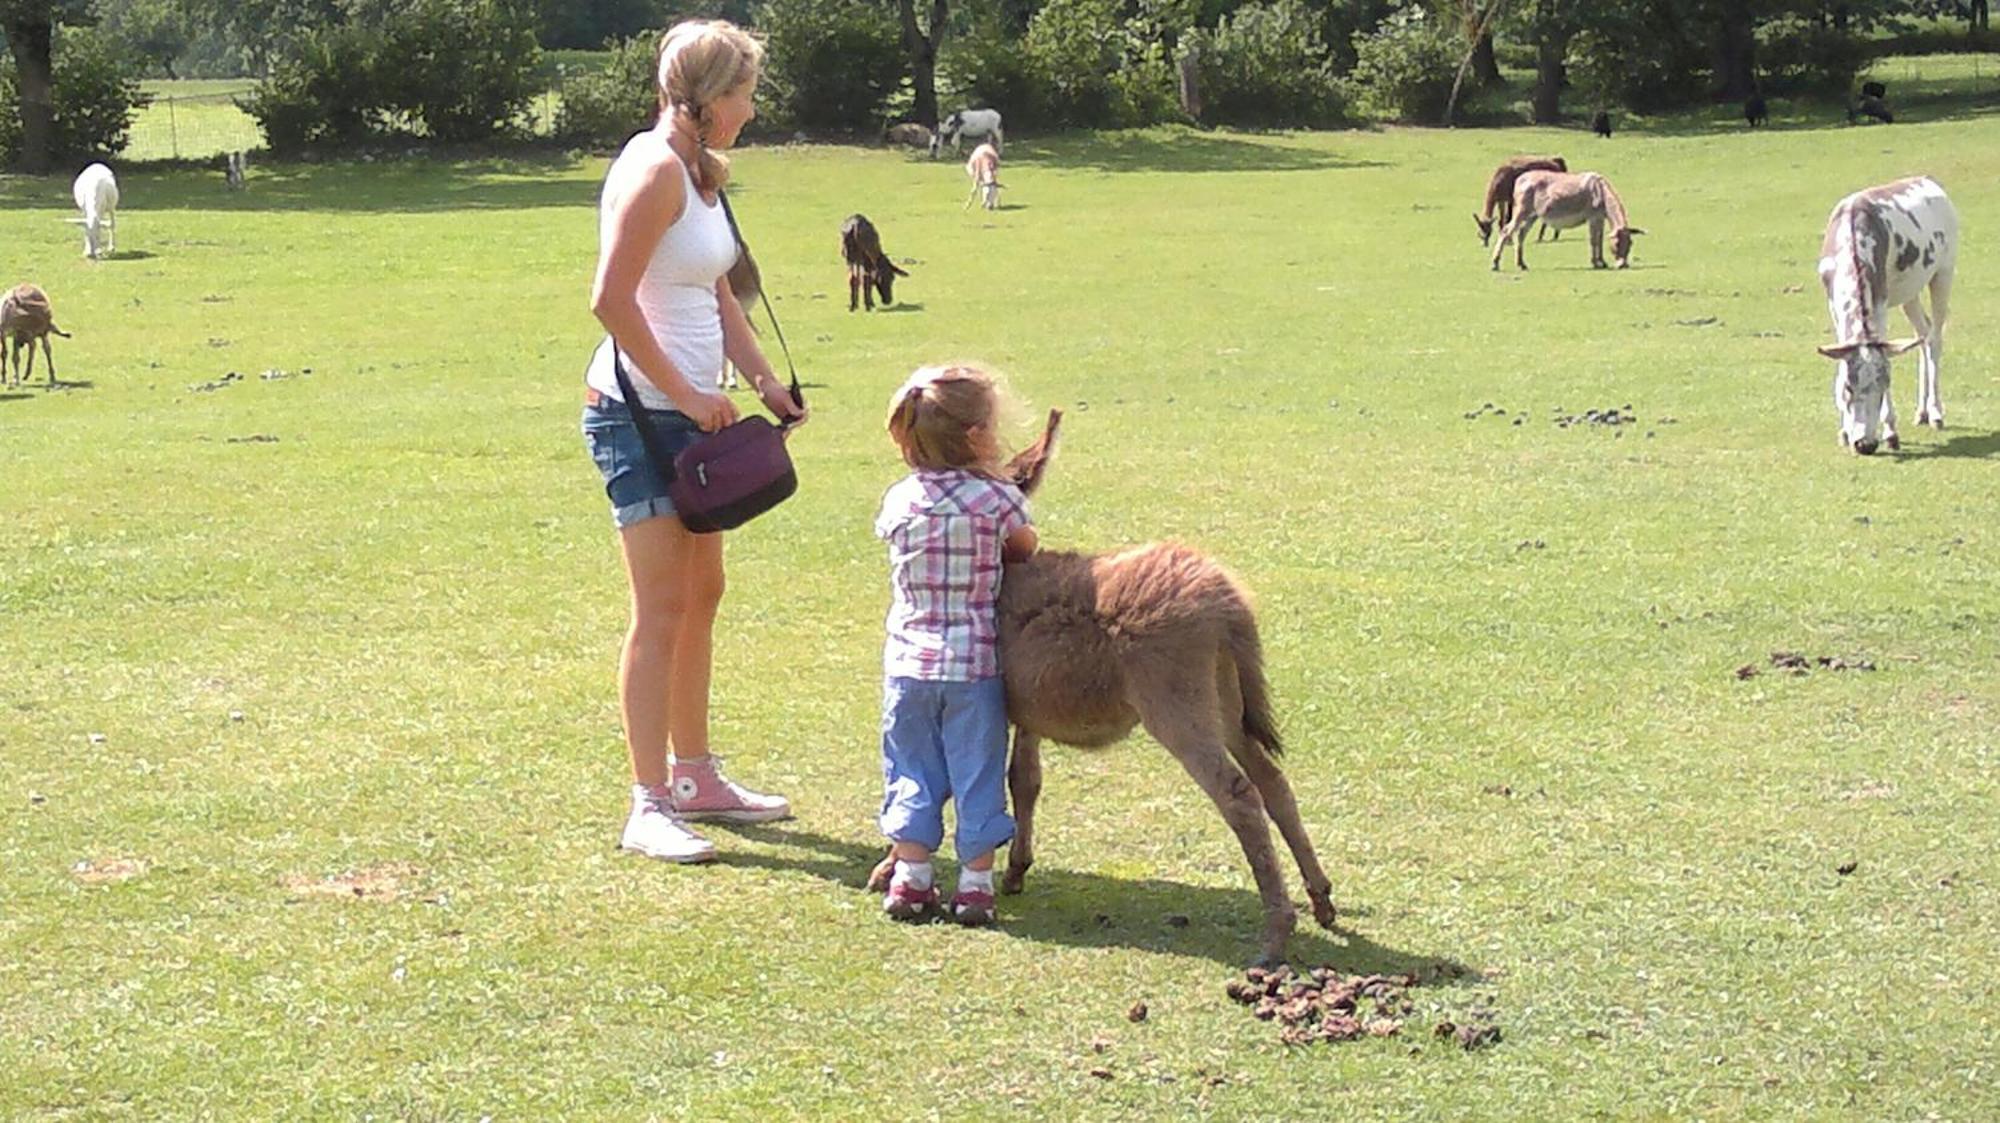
1248 653
58 331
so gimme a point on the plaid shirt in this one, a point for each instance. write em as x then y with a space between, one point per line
945 532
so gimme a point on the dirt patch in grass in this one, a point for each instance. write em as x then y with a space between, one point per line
384 882
107 871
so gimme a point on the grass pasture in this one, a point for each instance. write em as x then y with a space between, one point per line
312 766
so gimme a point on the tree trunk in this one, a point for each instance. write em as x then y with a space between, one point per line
1978 16
1735 52
1549 77
923 51
1485 67
1190 83
32 39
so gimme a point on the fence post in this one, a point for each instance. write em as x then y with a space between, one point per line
173 130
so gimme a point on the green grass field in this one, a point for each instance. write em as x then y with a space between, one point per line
356 626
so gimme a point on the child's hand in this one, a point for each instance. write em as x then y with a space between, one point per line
1021 544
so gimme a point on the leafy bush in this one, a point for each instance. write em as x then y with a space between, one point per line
990 67
1266 65
96 95
830 64
1642 59
1801 57
1077 45
321 91
619 98
1404 69
458 69
462 69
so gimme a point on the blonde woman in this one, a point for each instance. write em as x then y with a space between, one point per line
664 248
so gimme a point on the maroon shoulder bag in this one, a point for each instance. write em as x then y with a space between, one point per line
728 477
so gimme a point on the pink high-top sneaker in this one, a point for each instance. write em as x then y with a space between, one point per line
702 793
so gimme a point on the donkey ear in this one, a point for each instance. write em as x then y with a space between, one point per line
1901 345
1838 351
894 268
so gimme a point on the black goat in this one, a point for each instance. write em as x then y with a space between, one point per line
1755 111
1601 124
869 270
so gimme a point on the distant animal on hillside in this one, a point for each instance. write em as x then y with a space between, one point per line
1756 112
1564 200
96 193
908 134
869 270
1600 123
1883 247
1499 204
1869 105
983 169
1874 89
25 316
969 124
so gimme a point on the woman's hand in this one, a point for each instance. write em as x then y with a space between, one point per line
778 399
710 411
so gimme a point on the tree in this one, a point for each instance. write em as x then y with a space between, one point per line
155 30
1735 50
30 26
923 49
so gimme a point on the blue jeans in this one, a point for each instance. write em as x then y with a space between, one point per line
943 741
635 489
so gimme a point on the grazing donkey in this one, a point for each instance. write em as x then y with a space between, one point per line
869 270
1562 200
1500 190
1883 246
1093 645
96 194
25 316
968 124
983 169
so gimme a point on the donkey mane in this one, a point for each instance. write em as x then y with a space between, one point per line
1614 207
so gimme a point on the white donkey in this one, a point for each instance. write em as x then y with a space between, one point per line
1561 200
1883 246
96 192
983 169
968 124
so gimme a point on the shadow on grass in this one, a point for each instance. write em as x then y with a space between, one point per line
1091 911
1962 446
906 306
413 184
1176 150
128 255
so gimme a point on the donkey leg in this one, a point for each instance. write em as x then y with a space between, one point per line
1184 716
1024 786
1276 790
1934 342
1915 311
50 356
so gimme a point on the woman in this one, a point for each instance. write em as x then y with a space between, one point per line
664 248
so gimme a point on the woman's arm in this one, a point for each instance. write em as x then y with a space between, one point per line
650 202
739 344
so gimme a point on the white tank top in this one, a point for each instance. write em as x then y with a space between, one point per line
676 293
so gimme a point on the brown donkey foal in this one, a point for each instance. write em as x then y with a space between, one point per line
25 316
1093 645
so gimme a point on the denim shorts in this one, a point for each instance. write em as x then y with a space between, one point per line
635 489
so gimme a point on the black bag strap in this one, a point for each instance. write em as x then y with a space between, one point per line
798 396
642 419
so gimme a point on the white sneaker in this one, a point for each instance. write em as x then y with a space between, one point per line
655 831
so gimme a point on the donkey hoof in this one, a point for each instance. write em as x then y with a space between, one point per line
1268 961
1322 904
1937 422
1894 442
1010 882
878 878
